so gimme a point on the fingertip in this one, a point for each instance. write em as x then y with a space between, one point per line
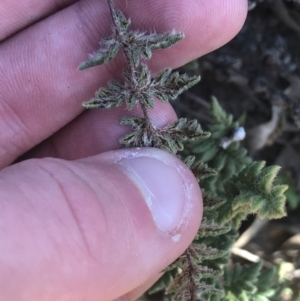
220 21
97 131
207 25
167 185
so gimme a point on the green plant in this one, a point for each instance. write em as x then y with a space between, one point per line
222 151
256 283
240 188
247 283
292 194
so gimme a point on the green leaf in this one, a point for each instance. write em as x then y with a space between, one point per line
105 98
267 178
146 53
131 102
202 171
211 228
251 173
240 282
211 203
169 138
256 193
167 85
187 129
161 96
144 76
163 40
227 161
132 121
261 298
121 21
274 207
218 114
142 44
109 49
139 136
162 76
203 252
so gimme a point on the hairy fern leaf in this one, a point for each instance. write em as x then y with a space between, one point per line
170 138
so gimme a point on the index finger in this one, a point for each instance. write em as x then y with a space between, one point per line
18 14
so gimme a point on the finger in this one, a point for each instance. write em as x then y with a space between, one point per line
95 132
100 226
44 92
139 291
18 14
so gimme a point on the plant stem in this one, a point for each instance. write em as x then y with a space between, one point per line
132 69
190 269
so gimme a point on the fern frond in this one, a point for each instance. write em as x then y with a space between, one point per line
211 228
266 286
188 283
211 203
170 138
241 279
219 115
249 283
198 253
199 169
253 192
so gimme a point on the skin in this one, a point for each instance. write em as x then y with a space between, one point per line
74 226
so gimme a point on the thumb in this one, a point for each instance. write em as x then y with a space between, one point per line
96 228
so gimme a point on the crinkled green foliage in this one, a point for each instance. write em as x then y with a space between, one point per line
292 193
211 228
247 189
253 191
267 286
254 283
223 242
227 161
211 203
240 281
250 283
201 171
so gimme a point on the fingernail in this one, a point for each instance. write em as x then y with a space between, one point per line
165 185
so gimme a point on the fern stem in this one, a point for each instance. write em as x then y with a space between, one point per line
190 273
132 69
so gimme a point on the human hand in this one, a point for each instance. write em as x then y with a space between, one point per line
91 222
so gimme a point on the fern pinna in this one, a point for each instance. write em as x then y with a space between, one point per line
232 187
